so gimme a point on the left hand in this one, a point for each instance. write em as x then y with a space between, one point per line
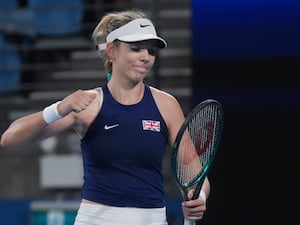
194 209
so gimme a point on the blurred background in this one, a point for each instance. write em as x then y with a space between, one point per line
245 54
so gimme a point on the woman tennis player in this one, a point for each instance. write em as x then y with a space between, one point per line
124 127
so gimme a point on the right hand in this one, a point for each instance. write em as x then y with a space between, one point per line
193 209
76 102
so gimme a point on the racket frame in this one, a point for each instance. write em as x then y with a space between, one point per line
199 179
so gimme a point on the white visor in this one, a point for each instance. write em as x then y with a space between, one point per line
136 30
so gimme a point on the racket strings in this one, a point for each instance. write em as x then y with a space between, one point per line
196 146
187 163
204 140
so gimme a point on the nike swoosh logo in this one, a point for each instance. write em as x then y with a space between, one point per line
145 25
107 127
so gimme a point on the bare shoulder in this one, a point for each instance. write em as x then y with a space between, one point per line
170 110
167 104
164 98
99 92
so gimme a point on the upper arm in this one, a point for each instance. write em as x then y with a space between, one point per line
171 111
174 117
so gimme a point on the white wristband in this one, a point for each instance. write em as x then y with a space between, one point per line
50 113
202 195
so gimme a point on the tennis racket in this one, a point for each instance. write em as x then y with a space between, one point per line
195 147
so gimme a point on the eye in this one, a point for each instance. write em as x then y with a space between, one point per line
135 48
152 51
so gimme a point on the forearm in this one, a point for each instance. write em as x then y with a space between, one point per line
49 122
24 131
206 187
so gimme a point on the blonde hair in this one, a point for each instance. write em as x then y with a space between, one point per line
110 22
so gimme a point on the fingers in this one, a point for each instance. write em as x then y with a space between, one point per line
194 209
77 101
80 102
82 99
195 203
194 216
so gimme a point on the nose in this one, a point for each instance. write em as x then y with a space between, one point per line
145 55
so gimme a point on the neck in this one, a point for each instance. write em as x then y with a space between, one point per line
126 95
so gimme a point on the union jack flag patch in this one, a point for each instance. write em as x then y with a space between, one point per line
151 125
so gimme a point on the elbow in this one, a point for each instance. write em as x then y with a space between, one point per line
14 138
4 142
8 139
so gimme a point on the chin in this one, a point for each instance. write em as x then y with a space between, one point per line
139 76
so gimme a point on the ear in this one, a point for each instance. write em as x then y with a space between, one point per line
110 50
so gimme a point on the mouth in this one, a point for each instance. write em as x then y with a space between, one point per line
141 69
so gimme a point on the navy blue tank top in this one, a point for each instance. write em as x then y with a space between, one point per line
123 151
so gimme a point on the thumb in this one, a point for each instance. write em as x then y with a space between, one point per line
190 193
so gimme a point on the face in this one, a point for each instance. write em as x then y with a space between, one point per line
134 60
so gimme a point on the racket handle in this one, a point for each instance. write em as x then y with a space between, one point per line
198 190
189 222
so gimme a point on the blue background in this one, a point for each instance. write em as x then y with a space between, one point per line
245 29
246 54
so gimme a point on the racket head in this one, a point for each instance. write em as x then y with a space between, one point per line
196 144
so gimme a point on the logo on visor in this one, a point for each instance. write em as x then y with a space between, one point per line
144 25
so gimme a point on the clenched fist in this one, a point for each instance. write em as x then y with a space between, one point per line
76 102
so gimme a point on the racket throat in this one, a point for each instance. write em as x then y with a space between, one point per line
197 191
184 193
